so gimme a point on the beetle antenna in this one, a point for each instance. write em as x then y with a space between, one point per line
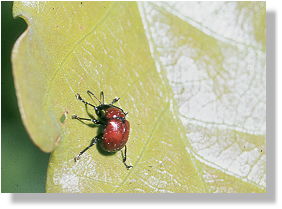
90 93
102 97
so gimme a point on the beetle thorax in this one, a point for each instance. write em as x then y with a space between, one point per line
114 112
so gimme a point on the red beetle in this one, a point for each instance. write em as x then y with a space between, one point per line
115 126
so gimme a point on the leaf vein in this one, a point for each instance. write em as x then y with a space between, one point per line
46 96
156 123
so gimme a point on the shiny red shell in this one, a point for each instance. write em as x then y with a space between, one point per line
116 131
113 112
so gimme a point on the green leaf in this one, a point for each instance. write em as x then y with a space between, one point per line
135 51
214 59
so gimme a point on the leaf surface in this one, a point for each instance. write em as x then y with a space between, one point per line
214 59
140 53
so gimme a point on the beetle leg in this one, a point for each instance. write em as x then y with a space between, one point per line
95 140
88 119
86 103
115 100
124 159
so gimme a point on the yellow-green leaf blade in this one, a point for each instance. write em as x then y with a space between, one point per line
114 57
214 60
38 56
107 50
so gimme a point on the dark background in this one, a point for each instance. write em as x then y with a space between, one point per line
23 165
